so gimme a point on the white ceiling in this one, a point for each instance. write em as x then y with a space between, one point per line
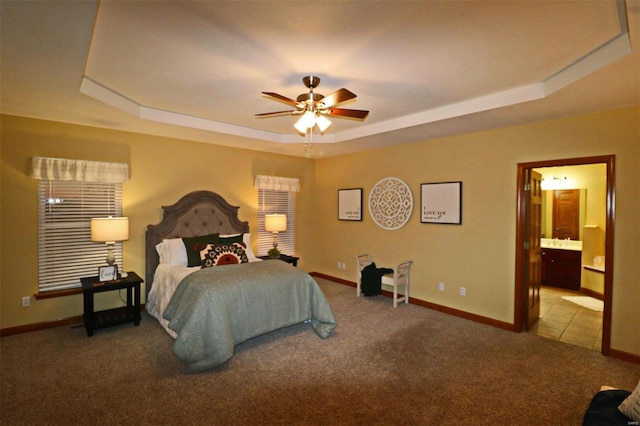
195 70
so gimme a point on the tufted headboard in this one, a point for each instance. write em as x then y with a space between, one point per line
197 213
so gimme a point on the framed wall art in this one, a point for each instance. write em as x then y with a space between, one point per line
350 204
441 202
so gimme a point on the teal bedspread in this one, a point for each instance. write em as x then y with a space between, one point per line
214 309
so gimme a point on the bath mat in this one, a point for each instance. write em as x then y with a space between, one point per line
587 302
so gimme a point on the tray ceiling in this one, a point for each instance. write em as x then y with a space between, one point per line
194 70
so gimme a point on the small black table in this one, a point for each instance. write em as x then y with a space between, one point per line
110 317
289 259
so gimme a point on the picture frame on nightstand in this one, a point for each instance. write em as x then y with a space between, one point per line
108 273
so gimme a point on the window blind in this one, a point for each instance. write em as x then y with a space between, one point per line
65 250
282 202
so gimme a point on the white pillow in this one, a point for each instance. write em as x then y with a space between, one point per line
630 407
172 252
246 239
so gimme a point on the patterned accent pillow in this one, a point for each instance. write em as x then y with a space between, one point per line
223 254
194 245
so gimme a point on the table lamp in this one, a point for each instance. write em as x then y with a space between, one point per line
275 223
109 230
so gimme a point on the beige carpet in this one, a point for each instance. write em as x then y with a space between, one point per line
382 366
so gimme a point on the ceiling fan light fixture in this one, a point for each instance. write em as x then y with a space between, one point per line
314 107
305 122
323 123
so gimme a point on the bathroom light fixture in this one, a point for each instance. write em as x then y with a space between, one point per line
555 183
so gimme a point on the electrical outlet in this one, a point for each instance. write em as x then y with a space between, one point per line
26 301
344 265
441 286
339 265
463 291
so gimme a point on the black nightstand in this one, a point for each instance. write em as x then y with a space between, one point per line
110 317
289 259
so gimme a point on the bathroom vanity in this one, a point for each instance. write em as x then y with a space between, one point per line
561 263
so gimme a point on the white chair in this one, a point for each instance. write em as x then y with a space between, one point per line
399 277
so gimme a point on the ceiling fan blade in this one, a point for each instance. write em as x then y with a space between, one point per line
281 98
350 113
275 114
337 97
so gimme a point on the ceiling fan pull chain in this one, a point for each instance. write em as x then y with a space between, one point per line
308 139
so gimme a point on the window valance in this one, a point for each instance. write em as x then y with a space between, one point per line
277 183
80 170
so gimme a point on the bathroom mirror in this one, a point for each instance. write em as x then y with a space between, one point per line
570 205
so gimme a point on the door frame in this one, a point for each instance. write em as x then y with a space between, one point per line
521 288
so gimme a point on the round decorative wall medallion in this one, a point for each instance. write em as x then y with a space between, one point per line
390 203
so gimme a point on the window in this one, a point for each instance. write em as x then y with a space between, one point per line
70 193
65 249
277 195
282 202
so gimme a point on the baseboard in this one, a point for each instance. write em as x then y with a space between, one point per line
28 328
624 356
334 279
463 314
591 293
40 326
444 309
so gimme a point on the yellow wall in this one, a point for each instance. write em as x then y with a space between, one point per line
162 171
593 244
479 255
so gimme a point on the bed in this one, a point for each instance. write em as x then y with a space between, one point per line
210 310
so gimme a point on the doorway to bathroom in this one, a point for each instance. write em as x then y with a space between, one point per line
531 230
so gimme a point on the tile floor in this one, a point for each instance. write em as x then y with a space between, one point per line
566 321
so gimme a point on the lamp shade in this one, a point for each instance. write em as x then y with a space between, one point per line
109 229
275 222
307 121
323 123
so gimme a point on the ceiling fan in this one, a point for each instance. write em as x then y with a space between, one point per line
314 107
